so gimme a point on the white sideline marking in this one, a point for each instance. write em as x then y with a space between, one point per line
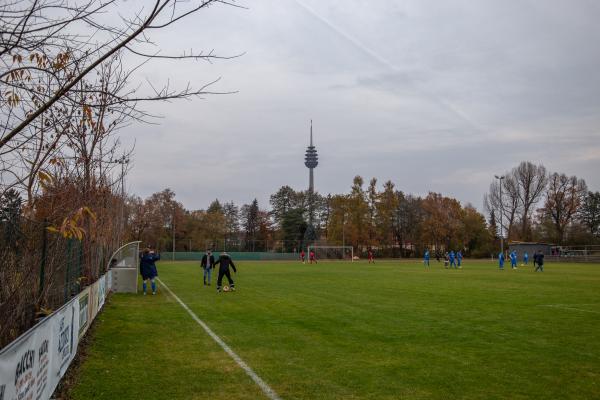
568 308
262 384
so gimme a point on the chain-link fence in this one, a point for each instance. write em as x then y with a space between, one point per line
233 245
40 271
243 245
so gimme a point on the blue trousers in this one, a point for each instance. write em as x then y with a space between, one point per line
207 275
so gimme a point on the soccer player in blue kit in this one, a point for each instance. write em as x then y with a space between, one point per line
452 258
513 260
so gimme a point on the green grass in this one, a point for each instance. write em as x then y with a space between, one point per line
355 331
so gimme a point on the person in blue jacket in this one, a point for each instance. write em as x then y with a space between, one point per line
513 260
148 269
526 258
459 257
451 256
208 264
501 260
426 258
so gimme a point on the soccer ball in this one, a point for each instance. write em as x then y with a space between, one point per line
226 288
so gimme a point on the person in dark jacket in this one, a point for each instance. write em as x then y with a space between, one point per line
539 260
225 262
207 264
148 268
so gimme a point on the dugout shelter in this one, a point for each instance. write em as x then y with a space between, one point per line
531 248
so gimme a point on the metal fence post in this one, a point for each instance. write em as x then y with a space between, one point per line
67 272
80 263
44 249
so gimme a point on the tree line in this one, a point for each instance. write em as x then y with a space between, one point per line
390 221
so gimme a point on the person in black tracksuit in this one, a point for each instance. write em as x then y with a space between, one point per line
224 262
539 259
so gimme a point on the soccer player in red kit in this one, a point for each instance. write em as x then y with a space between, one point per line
370 254
311 257
302 255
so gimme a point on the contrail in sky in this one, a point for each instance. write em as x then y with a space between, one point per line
387 63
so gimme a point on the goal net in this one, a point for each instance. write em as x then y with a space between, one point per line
332 252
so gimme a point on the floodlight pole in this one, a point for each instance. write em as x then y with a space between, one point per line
344 227
343 230
500 178
173 232
123 161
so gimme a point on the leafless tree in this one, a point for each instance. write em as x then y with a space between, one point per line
531 181
563 200
50 50
508 204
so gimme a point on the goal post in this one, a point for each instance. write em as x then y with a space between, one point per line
332 252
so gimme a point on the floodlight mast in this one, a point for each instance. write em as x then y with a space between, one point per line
500 178
124 160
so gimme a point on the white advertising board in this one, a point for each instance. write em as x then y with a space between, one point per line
33 364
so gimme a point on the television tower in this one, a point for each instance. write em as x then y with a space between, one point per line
311 160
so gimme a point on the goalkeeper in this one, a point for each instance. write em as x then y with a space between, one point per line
224 263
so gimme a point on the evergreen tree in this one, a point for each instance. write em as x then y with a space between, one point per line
282 201
293 227
373 199
589 214
231 212
251 223
386 215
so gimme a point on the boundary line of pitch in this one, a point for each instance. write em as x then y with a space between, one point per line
566 307
267 390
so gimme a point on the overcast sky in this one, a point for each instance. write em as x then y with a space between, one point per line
433 95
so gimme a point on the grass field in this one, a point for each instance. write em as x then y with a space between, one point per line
354 331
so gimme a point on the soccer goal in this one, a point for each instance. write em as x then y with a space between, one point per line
333 252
